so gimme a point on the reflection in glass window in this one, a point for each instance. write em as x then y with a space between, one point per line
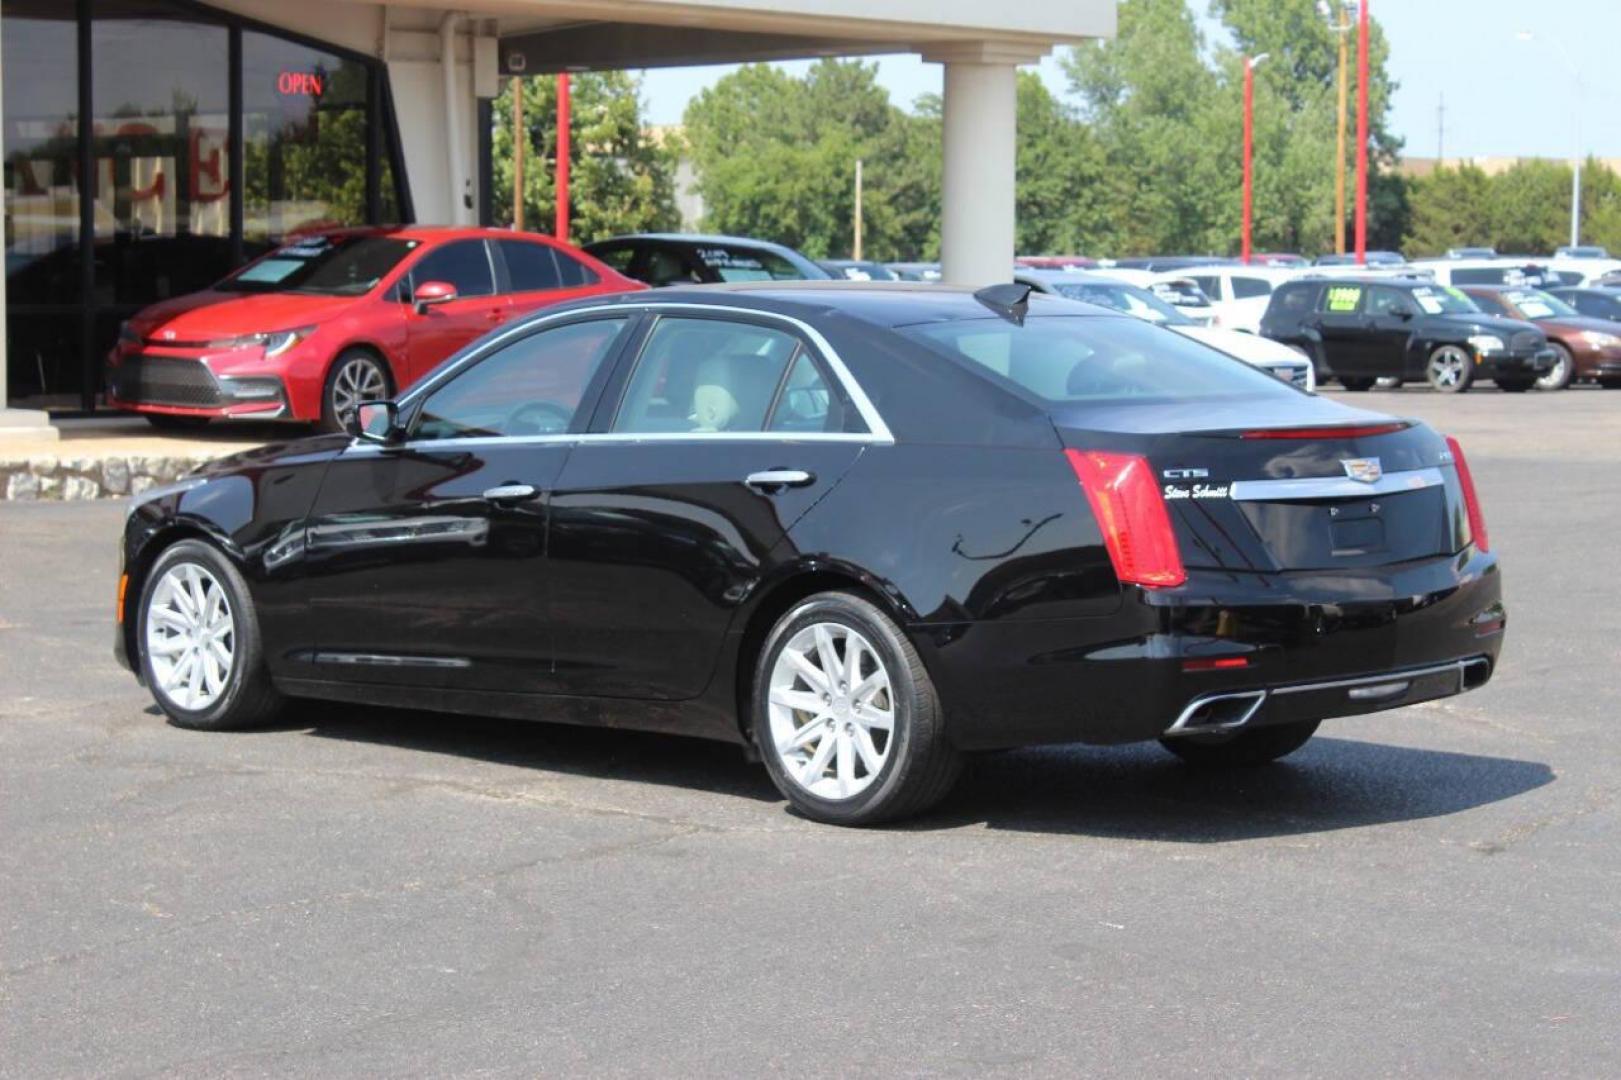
531 387
305 137
463 264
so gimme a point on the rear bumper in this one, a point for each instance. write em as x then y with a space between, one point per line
1313 646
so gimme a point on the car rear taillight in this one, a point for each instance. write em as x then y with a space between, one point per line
1471 501
1136 528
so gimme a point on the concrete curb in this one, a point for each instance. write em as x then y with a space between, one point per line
59 479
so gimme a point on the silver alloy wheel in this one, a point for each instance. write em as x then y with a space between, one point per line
831 710
1449 366
360 378
1558 376
190 636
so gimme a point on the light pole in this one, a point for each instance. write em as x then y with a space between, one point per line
1362 136
1576 155
1342 28
1249 142
560 227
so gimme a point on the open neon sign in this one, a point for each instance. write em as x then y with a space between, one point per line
301 83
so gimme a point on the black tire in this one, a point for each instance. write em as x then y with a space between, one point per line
333 417
248 698
172 422
1514 386
1242 749
1564 369
1610 384
920 765
1356 383
1453 358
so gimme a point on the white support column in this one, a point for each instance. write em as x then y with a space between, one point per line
977 186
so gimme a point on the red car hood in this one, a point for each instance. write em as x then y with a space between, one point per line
210 315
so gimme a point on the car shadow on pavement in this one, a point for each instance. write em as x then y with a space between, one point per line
1137 792
606 753
1141 792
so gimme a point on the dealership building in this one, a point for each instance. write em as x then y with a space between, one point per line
204 133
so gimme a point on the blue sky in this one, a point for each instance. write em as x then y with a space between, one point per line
1503 96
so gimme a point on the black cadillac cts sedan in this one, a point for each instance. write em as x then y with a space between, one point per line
860 530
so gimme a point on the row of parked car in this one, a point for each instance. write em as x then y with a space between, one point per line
331 319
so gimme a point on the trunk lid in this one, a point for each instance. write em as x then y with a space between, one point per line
1292 488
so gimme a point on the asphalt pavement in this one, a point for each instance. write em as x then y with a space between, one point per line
1433 891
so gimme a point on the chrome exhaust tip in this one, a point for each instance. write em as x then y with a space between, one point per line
1217 712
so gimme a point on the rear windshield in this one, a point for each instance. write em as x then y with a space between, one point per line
746 264
323 265
1102 358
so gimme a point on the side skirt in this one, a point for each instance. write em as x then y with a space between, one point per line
677 718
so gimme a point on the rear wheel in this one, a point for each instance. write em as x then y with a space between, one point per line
1450 370
355 376
1241 749
171 422
199 641
1357 383
1559 376
1610 384
846 718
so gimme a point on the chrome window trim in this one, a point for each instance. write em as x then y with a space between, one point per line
877 431
1334 487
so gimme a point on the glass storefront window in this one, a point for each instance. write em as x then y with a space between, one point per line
161 146
160 165
42 199
304 115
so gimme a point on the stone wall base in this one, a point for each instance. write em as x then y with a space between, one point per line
57 479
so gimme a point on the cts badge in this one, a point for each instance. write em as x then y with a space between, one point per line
1364 469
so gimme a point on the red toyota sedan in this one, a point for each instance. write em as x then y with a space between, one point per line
332 319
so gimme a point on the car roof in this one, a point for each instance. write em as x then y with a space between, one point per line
887 304
428 233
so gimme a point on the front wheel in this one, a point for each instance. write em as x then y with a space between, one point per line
1564 369
355 376
199 642
1450 370
1242 749
846 718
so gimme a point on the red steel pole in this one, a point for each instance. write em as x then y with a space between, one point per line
1249 138
1362 136
561 229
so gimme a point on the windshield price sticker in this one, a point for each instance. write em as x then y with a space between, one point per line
1344 298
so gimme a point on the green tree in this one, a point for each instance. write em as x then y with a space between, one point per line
1061 195
621 177
775 157
1529 207
1451 208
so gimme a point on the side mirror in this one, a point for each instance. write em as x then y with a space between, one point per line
432 293
377 421
1404 313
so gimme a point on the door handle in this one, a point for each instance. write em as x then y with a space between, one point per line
774 479
509 493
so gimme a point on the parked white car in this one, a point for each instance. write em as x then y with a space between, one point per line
1531 271
1238 294
1286 363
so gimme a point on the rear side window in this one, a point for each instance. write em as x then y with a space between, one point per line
619 256
530 267
1292 301
1062 360
572 271
1246 288
1342 299
463 264
705 375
